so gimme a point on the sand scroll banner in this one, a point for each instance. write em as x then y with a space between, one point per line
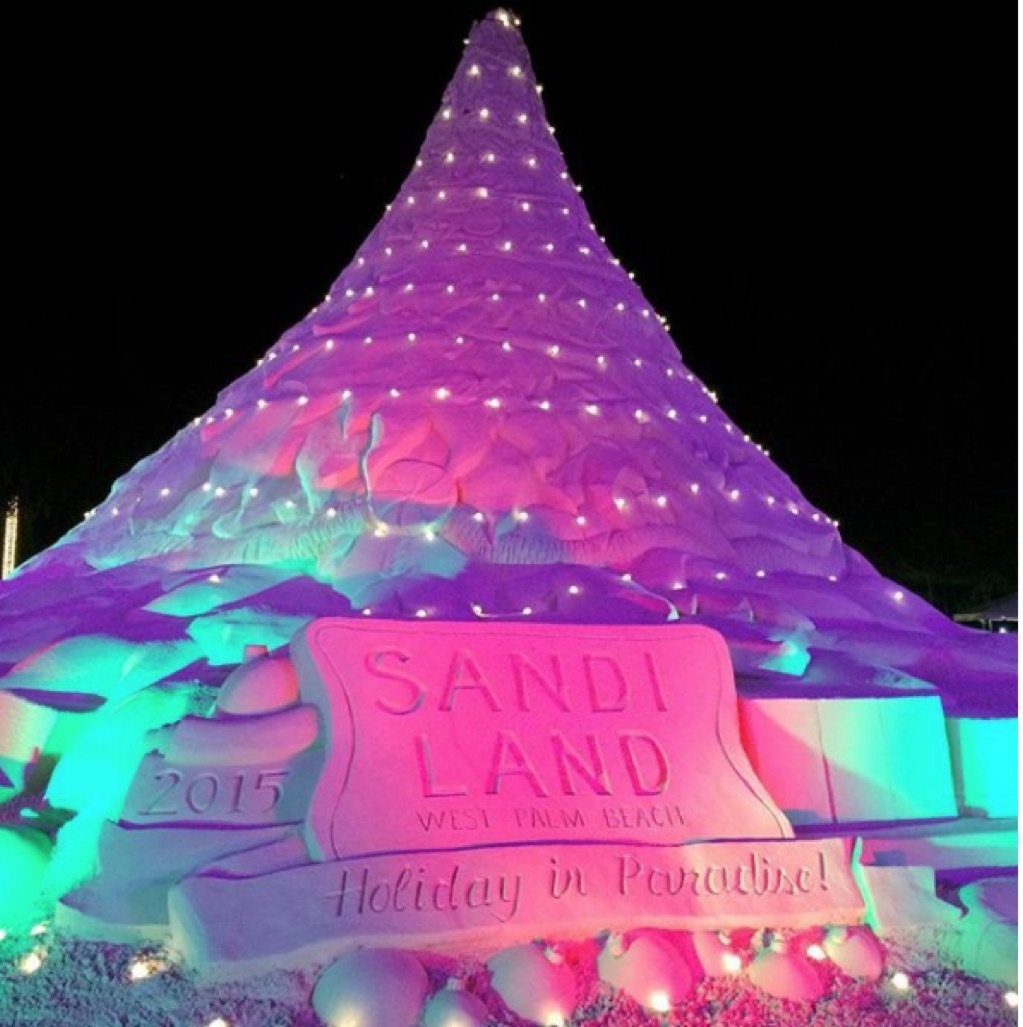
483 899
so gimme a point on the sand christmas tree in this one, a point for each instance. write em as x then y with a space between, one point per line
484 420
485 417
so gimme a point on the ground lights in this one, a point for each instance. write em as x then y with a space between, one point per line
541 980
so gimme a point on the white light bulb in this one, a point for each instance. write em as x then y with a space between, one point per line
261 403
900 981
898 596
484 113
532 162
619 307
815 951
731 962
139 970
694 488
420 613
506 245
482 192
474 70
522 516
553 351
515 71
446 114
581 302
620 503
368 340
388 251
409 286
527 610
525 205
394 393
490 157
549 247
720 575
494 403
573 590
545 404
30 962
442 393
459 340
449 289
462 247
662 501
449 158
580 520
761 574
601 361
659 1002
734 494
442 194
522 119
478 517
506 346
592 408
329 344
424 244
164 492
495 297
302 400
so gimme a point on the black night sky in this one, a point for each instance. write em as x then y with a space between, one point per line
818 197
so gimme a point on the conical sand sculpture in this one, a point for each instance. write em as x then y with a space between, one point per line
484 422
484 418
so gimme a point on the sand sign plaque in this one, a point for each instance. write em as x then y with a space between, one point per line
454 735
486 782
